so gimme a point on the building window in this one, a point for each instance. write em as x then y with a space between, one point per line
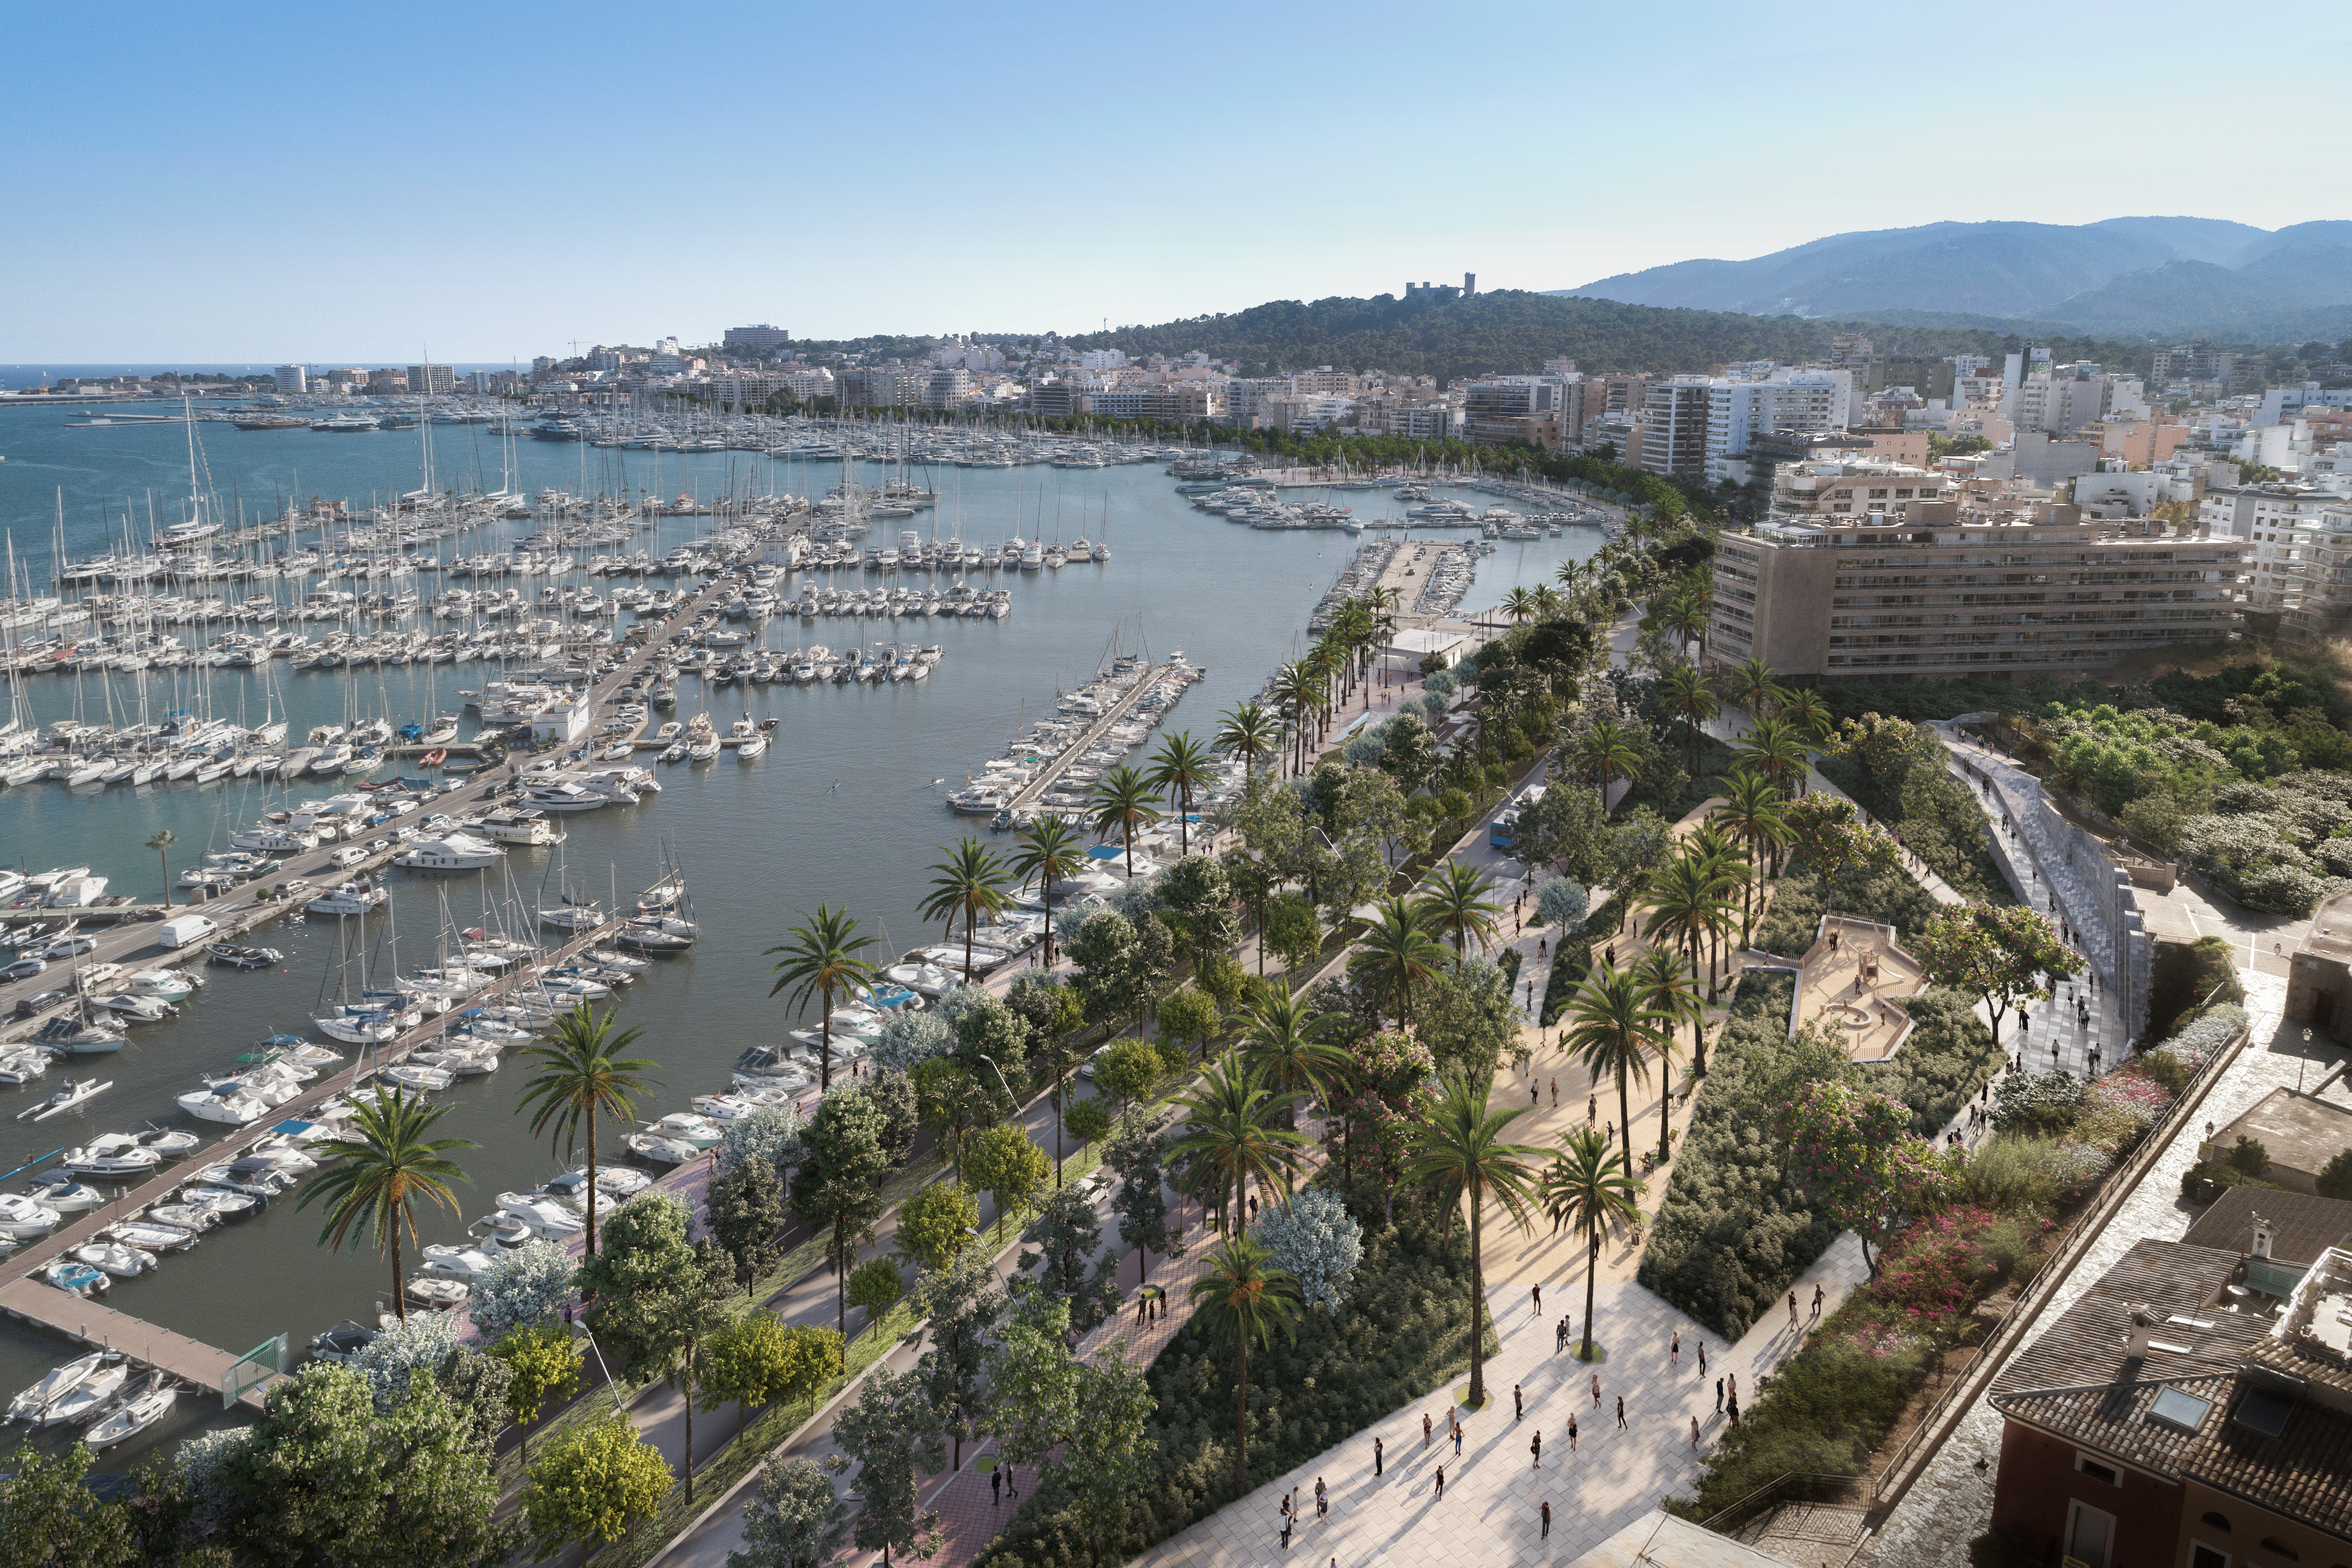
2273 1546
2216 1522
2098 1471
2090 1535
2203 1556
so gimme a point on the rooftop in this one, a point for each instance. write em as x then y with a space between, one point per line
2302 1225
2300 1132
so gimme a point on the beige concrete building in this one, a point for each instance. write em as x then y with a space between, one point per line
1921 593
2319 575
1844 489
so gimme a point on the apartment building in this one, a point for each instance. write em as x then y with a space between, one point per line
890 387
291 379
2198 361
1923 592
1739 411
1542 411
1673 442
2265 518
2061 404
1847 486
432 380
759 339
2318 601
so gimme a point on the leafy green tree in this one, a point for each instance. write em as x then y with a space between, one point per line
2007 953
896 1437
834 1190
1191 1019
1853 1152
659 1296
970 882
544 1363
1242 1298
1567 829
1081 1425
1089 1120
1753 810
954 1098
1469 1020
1055 1018
591 1484
1196 899
1586 1189
1009 1167
961 1303
1828 833
2334 1179
937 1224
161 840
1139 1157
991 1033
328 1478
1123 801
1067 1236
755 1360
1128 1070
745 1210
1233 1135
381 1171
1688 903
818 960
1688 697
793 1520
1123 967
54 1518
876 1286
1460 1149
1292 930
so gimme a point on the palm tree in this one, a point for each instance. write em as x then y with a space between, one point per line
1753 688
1179 768
1587 1188
819 958
1545 598
1459 1146
1518 604
971 883
1291 1047
1454 899
1752 813
1250 733
383 1166
1246 1299
1687 898
1611 1024
1688 695
1123 797
1296 689
1401 952
161 840
1774 749
1670 987
1230 1135
586 1076
1805 713
1609 749
1684 613
1049 853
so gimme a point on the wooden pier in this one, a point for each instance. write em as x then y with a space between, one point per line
1036 788
100 1327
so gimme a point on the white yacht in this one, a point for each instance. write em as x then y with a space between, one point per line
456 851
519 825
347 898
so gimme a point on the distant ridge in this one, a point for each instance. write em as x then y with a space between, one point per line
2136 276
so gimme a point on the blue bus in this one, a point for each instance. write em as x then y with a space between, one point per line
1502 831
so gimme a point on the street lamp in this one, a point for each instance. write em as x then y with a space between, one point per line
2299 1064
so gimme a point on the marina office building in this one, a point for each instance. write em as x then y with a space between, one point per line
1922 593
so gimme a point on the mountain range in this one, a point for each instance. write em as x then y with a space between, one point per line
2150 277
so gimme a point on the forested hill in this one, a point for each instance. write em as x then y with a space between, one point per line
1512 331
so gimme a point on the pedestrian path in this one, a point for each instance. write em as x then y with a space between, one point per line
1491 1512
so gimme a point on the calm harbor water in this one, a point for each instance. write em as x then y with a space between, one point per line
840 809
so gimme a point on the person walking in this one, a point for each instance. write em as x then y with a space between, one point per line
1011 1483
1675 1351
1376 1457
1322 1502
1592 1108
1555 1093
1441 1483
1538 1292
1719 1396
1559 1336
1518 1408
1621 1413
1735 1387
1793 1309
1694 1432
1457 1439
1571 1432
1596 1391
995 1487
1732 1410
1286 1521
1546 1519
1702 1358
1426 1426
1535 1450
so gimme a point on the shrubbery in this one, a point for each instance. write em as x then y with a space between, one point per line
1892 897
1571 958
1947 1058
1932 813
1402 1331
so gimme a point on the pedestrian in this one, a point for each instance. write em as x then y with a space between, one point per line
1253 1210
1592 1108
1322 1502
1536 1290
1733 1409
1693 1431
1142 1308
1426 1425
1817 1300
1572 1433
1620 1412
1702 1358
1546 1519
1535 1096
1674 1351
995 1487
1457 1439
1535 1451
1596 1391
1793 1309
1518 1407
1555 1093
1559 1335
1441 1483
1286 1521
1375 1456
1719 1396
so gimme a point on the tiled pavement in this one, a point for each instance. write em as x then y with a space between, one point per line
1490 1513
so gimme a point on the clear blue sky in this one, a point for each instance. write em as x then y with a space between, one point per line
354 183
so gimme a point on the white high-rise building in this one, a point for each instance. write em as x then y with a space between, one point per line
1785 401
291 379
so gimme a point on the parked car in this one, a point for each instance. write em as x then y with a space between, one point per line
70 947
24 970
40 1002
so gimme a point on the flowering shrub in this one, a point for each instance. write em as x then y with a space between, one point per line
1936 1269
2214 1028
2115 1133
2036 1101
2141 1098
2076 1166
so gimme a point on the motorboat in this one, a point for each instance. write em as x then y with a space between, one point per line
619 1181
248 1177
122 1261
133 1415
133 1008
231 1101
91 1394
347 898
70 1094
164 985
23 1217
459 1061
111 1154
467 1263
238 957
168 1142
436 1293
65 1195
662 1150
688 1127
24 1066
342 1343
151 1235
547 1218
519 825
76 1279
496 1233
924 980
454 851
30 1404
219 1201
418 1077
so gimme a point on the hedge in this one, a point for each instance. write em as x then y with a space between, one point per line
1891 897
1731 1232
1934 816
1716 758
1572 959
1947 1058
1403 1331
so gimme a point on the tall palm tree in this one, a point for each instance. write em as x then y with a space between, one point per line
161 840
383 1168
1670 987
586 1075
1518 604
1179 767
1752 812
1244 1298
1122 799
1688 696
1545 598
971 883
1684 613
1454 899
1754 686
1231 1136
1293 1047
1458 1146
1608 749
1805 713
1587 1188
1251 732
1613 1026
1686 900
1297 689
1400 951
819 957
1774 748
1049 853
